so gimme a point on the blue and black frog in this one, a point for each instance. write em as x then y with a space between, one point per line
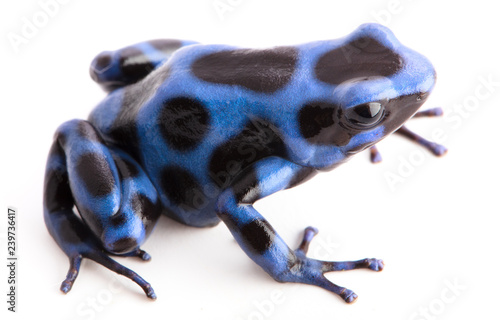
201 132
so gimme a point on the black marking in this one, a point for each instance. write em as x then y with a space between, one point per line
246 187
119 219
258 139
259 235
94 172
183 122
182 188
72 230
147 210
363 57
302 176
61 138
57 192
258 70
124 131
320 123
88 132
134 64
126 168
103 60
93 221
123 245
292 261
126 137
142 207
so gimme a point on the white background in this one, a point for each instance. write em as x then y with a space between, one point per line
437 225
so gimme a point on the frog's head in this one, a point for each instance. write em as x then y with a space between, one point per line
379 85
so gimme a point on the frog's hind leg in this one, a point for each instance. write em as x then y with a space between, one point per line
115 69
262 243
434 148
117 203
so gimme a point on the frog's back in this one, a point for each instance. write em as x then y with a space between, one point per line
210 111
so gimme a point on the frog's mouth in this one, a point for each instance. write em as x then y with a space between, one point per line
399 110
360 148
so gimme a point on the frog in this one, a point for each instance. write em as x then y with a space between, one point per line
199 133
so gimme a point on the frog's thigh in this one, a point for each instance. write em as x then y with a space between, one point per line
253 233
112 193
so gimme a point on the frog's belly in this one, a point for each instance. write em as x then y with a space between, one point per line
202 217
186 194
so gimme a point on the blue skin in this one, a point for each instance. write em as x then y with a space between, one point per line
178 136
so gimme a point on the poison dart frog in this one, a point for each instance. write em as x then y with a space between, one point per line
199 133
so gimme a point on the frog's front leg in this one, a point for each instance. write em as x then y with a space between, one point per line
262 243
435 148
117 203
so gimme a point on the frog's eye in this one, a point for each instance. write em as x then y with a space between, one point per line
365 115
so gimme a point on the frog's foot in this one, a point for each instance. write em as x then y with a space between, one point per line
78 242
109 263
311 271
434 148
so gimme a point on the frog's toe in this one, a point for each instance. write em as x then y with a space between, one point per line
150 293
139 253
144 255
437 149
74 268
375 264
349 296
375 156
